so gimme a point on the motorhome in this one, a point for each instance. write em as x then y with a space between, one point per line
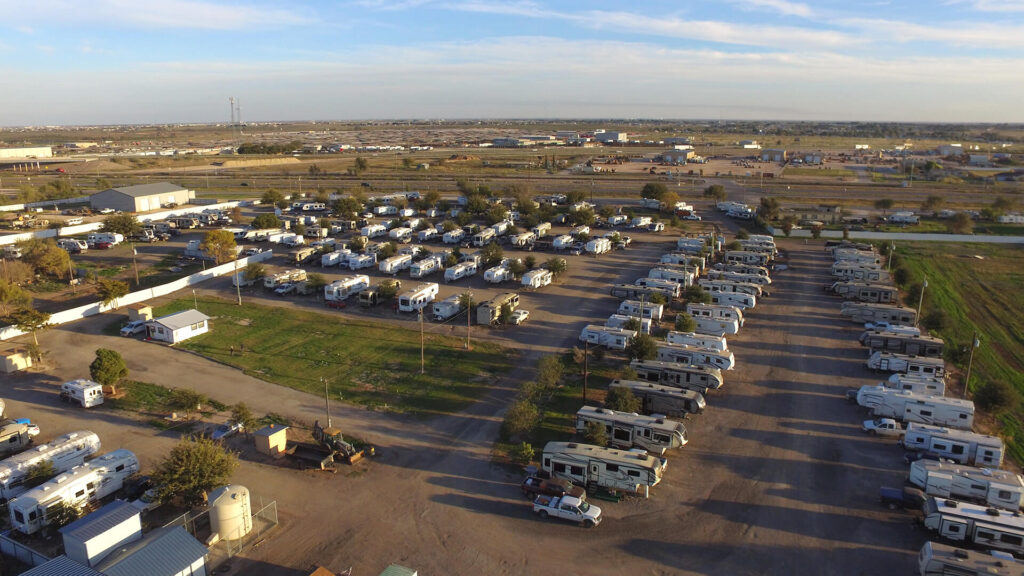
489 312
998 488
913 365
81 485
498 274
563 242
446 308
627 430
683 354
735 299
598 246
459 271
742 269
679 276
899 343
501 228
346 287
909 407
866 292
640 222
718 311
644 309
958 445
979 526
659 399
729 286
453 236
418 298
861 312
633 291
291 275
697 378
937 559
63 453
612 338
695 339
537 278
484 237
624 321
933 385
598 467
85 393
745 257
541 229
14 437
108 237
673 288
395 264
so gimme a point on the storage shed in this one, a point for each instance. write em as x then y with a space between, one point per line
179 326
141 198
61 566
90 539
140 311
15 359
168 551
272 439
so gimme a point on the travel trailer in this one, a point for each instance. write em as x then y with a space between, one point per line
537 278
866 292
695 339
598 467
729 286
909 407
425 267
395 264
733 276
861 312
900 343
913 365
497 275
933 385
612 338
447 308
64 452
937 559
85 393
453 237
746 257
622 321
679 276
980 526
633 291
668 400
669 287
598 246
14 437
484 237
634 308
718 311
997 488
489 312
346 287
696 378
958 445
460 271
742 301
418 298
716 326
627 430
683 354
285 276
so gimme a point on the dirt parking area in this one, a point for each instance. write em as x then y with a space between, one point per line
777 477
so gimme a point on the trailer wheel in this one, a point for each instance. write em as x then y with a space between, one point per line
543 514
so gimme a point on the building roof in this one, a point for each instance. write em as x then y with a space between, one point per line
396 570
163 552
148 189
181 319
107 517
270 430
61 566
138 306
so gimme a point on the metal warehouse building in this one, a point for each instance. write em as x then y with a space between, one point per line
141 198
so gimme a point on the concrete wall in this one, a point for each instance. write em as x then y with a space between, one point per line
904 236
45 204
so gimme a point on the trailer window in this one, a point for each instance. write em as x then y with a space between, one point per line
926 412
953 528
986 534
576 470
559 467
19 517
958 449
633 473
620 434
1011 539
80 493
611 467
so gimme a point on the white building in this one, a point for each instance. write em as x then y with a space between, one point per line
90 539
1011 219
950 150
611 137
179 326
36 152
168 551
142 197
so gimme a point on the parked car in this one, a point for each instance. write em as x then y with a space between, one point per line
535 486
518 317
134 327
883 427
904 497
33 430
252 251
226 431
104 245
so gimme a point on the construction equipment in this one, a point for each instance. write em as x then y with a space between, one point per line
332 439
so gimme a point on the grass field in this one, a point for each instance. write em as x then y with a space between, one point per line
374 365
981 287
820 172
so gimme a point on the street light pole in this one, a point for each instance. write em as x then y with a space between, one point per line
970 361
920 301
422 364
195 302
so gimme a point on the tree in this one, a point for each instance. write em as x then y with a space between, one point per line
932 203
697 294
39 473
219 245
668 202
816 231
45 257
387 289
450 260
549 371
266 221
657 298
936 320
742 234
186 399
734 245
960 223
522 453
769 208
596 434
521 417
496 213
347 207
584 217
357 243
194 466
361 165
492 254
449 226
387 250
241 415
108 368
575 196
715 192
642 347
254 271
884 204
299 228
654 190
504 314
557 266
274 198
236 215
1002 205
316 283
30 320
606 212
622 399
18 272
315 170
110 290
530 262
901 275
517 268
61 514
996 397
12 296
685 322
126 224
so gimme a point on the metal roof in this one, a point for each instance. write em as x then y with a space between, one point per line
270 430
181 319
61 566
100 521
396 570
148 189
163 552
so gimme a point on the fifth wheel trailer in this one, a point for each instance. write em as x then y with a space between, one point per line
657 399
913 365
696 339
909 407
696 378
868 312
980 526
64 453
958 445
993 487
489 312
683 354
937 559
627 430
418 298
598 467
898 342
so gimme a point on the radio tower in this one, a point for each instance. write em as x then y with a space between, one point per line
231 103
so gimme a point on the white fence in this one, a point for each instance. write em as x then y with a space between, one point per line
74 314
45 204
904 236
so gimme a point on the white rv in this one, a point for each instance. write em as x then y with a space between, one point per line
373 231
980 526
484 237
867 312
64 453
563 242
667 400
497 274
335 258
395 264
716 326
741 277
14 437
501 228
627 430
446 308
524 239
866 292
729 286
696 378
851 272
541 229
621 321
936 559
746 257
909 407
683 354
998 488
426 235
597 467
346 287
360 261
459 271
934 386
717 311
749 269
644 309
679 276
425 267
418 298
743 301
613 338
913 365
668 287
537 278
489 312
958 445
85 393
695 339
640 222
402 235
84 484
633 291
283 277
901 343
598 246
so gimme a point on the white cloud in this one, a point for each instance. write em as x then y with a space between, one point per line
964 34
189 14
784 7
997 5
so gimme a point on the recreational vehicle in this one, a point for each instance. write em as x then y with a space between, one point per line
524 239
622 321
489 312
447 308
913 365
680 276
345 287
14 437
739 268
373 231
644 309
741 277
640 222
998 488
497 275
745 257
537 278
85 393
453 237
890 328
696 378
81 485
627 430
459 271
484 237
395 264
360 261
597 467
909 407
683 354
285 276
857 257
541 229
501 228
900 343
336 258
563 242
958 445
633 291
64 453
861 312
612 338
716 326
851 272
735 299
729 286
598 246
303 254
669 287
699 340
684 259
372 296
866 292
425 267
933 385
668 400
418 298
980 526
717 311
936 559
426 235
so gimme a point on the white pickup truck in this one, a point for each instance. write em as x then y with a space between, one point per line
883 427
568 508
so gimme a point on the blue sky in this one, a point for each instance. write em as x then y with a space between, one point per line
125 61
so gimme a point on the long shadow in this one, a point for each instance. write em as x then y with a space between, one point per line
239 566
825 449
832 390
846 366
492 507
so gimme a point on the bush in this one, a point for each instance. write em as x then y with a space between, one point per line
519 420
596 434
522 453
742 234
549 371
108 368
936 320
622 399
685 322
901 276
995 396
642 347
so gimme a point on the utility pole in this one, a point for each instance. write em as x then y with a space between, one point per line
469 317
327 401
135 265
71 276
422 371
586 371
920 301
970 360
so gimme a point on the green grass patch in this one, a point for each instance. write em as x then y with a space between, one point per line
820 172
141 397
374 365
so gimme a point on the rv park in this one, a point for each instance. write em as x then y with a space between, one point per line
778 473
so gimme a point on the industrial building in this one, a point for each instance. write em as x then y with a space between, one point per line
36 152
677 156
611 137
141 198
773 155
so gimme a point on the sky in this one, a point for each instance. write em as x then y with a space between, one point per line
68 62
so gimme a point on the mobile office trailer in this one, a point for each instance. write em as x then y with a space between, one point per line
909 407
696 378
446 308
612 338
980 526
627 430
597 467
418 298
642 309
997 488
739 277
537 278
562 242
866 292
937 559
683 354
933 385
484 237
373 231
621 321
360 261
524 239
633 291
64 452
729 286
866 312
346 287
335 258
699 340
497 274
460 271
14 437
718 311
670 286
736 299
425 267
667 400
85 393
746 257
489 312
899 343
913 365
541 229
402 235
680 276
958 445
598 246
81 485
395 264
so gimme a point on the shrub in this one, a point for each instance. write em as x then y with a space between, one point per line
995 396
623 400
522 453
596 434
519 420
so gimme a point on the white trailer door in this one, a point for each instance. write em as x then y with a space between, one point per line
953 529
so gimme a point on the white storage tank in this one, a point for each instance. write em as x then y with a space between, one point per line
230 512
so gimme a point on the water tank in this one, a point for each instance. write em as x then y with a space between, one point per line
230 512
